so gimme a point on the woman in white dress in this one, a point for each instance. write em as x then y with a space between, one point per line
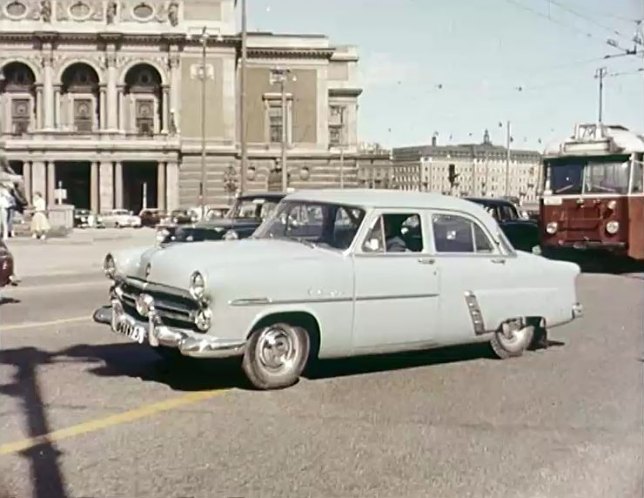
39 222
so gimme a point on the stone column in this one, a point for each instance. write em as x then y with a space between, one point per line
121 97
172 185
94 187
112 94
39 107
165 109
106 186
38 178
175 84
57 120
161 186
51 183
26 177
48 87
101 106
118 185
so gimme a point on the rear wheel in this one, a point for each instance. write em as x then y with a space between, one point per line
512 339
276 355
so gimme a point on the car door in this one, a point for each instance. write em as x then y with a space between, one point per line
478 275
396 289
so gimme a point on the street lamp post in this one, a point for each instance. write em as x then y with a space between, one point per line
204 75
507 160
242 101
280 76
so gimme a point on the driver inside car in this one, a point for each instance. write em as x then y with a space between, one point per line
393 238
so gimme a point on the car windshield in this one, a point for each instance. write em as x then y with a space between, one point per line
328 225
253 208
588 176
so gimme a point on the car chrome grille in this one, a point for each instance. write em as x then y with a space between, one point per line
171 308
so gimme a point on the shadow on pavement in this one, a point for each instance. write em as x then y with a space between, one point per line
46 476
9 300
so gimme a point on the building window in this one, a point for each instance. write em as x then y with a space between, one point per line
83 110
336 125
20 116
145 117
275 123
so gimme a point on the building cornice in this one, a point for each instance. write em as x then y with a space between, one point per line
290 53
345 92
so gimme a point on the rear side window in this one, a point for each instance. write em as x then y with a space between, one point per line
457 234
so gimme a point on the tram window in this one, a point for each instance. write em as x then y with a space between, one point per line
638 178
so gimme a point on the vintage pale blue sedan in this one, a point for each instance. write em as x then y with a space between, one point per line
336 273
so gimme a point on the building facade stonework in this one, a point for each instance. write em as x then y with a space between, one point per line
103 100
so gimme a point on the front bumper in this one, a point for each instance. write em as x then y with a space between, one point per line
188 342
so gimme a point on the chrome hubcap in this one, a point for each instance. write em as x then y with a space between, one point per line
276 349
512 334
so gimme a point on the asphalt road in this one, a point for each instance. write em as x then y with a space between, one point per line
111 421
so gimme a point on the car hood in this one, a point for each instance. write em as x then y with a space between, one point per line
173 264
226 223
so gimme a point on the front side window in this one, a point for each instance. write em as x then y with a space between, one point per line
638 177
329 225
394 233
457 234
607 177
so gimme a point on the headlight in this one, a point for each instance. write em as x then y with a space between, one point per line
162 235
551 227
231 235
109 266
197 285
203 319
612 227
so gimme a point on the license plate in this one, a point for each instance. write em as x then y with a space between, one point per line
128 327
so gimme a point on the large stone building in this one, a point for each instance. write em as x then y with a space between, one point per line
481 170
103 100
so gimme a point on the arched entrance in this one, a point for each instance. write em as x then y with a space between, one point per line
19 87
79 98
144 97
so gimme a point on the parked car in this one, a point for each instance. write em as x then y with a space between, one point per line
84 218
336 273
120 218
182 216
521 232
7 276
151 217
240 222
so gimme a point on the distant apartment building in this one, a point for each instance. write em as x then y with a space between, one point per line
480 169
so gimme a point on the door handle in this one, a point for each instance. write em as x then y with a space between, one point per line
426 261
498 261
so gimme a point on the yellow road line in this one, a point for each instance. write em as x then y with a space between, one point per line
51 323
110 421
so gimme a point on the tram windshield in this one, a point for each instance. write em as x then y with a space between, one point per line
574 176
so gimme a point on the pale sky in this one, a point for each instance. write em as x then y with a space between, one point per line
455 66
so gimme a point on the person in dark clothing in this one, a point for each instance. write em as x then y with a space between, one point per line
393 239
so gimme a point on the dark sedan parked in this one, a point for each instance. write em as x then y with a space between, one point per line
240 222
523 234
7 276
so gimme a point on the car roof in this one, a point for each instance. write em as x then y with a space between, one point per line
489 201
268 195
374 198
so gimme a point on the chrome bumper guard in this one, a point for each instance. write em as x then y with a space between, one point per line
577 310
188 343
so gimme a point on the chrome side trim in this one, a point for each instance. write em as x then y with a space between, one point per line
475 313
321 300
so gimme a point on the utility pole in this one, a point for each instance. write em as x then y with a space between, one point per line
507 159
202 185
242 101
342 109
600 74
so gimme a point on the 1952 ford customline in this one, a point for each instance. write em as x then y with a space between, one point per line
335 273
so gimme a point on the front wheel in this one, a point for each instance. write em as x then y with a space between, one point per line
276 355
512 339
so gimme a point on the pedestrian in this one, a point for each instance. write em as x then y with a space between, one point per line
39 222
5 207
